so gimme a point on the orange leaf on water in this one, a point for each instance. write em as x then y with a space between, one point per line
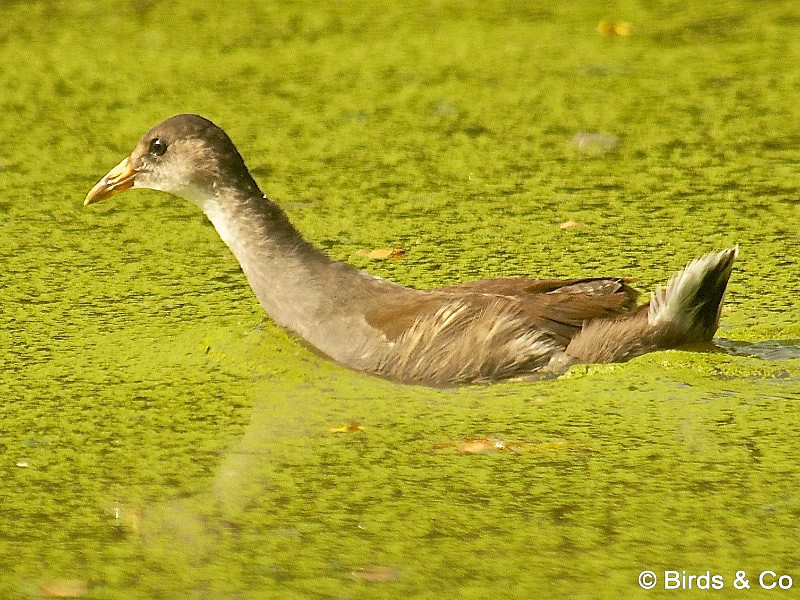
346 428
476 445
64 588
570 224
376 574
382 253
487 445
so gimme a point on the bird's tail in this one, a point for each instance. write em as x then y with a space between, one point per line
686 312
692 301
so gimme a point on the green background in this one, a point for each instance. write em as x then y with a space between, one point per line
179 445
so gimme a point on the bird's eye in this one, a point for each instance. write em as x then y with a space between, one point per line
157 147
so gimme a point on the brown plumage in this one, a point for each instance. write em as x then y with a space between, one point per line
477 331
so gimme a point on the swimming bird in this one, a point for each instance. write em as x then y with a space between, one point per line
479 331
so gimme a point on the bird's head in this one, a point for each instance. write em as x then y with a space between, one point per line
187 156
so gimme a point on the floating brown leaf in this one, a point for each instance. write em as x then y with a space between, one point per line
346 428
489 445
482 446
475 445
382 253
376 574
66 588
570 224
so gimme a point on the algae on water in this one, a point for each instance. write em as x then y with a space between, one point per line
178 444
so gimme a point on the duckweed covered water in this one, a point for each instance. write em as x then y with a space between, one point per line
160 438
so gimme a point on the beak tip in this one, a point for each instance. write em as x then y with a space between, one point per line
97 193
117 180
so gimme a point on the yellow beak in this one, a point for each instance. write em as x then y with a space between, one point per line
118 179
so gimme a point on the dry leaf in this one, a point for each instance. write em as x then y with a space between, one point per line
475 445
570 224
66 588
482 446
491 445
346 428
376 574
382 253
609 27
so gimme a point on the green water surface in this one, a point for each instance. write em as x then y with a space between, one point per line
161 438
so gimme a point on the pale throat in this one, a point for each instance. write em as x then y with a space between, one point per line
298 285
230 232
206 200
283 276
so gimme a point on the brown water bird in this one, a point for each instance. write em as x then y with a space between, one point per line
473 332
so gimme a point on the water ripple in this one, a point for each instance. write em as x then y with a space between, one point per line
768 349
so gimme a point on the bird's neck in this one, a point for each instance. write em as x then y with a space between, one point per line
299 286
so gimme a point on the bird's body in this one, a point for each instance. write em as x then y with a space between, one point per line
477 331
